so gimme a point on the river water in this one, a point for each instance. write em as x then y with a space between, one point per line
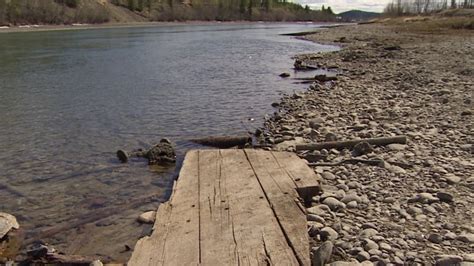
70 99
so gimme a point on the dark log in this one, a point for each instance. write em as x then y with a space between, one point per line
351 143
350 161
224 142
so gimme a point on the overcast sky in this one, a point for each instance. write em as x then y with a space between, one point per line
345 5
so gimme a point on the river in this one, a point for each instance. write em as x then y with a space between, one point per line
70 99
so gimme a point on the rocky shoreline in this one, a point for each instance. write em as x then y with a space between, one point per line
415 207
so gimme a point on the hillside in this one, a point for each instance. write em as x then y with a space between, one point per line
357 15
19 12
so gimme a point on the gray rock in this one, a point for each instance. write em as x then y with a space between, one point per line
448 260
147 217
368 233
424 198
435 238
396 147
369 244
7 223
352 205
334 204
322 255
363 256
468 257
351 197
315 218
327 233
385 246
328 176
452 179
466 237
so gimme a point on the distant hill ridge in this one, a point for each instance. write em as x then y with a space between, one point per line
21 12
358 15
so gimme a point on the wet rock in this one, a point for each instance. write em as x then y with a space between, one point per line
322 255
147 217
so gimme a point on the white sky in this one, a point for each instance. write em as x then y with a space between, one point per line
345 5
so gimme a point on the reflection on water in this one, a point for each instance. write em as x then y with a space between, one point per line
70 99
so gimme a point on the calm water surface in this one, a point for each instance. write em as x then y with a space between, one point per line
70 99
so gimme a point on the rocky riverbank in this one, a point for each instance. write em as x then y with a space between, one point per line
415 206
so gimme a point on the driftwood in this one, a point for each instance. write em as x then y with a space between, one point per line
351 143
224 142
350 161
319 78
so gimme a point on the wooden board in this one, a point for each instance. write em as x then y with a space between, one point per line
232 207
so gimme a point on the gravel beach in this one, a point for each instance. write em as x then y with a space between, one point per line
416 205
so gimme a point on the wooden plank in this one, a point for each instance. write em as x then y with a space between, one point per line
182 241
149 250
307 182
217 242
226 210
279 190
256 232
175 240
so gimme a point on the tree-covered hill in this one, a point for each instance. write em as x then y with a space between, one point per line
19 12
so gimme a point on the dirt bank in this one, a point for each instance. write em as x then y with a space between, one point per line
409 79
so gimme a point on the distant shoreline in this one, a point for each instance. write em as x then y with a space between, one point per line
41 28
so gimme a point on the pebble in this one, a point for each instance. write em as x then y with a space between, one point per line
147 217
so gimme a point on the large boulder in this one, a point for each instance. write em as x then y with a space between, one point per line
7 223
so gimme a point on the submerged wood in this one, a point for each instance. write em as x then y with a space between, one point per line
224 142
89 217
351 143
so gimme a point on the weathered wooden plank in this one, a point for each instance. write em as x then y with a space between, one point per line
217 242
182 241
280 191
149 250
258 237
226 210
306 180
175 241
